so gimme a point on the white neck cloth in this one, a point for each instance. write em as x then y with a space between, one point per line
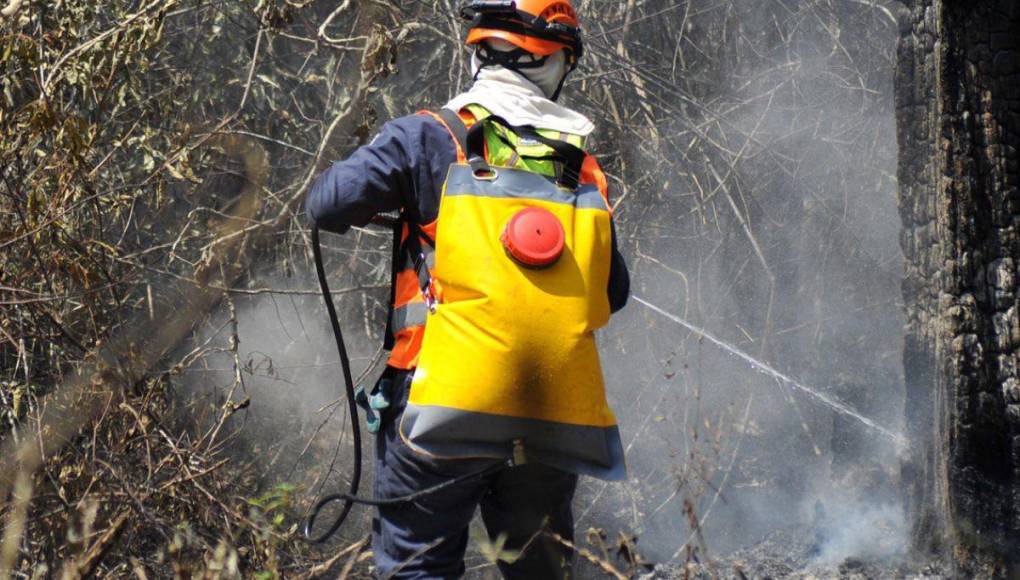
521 101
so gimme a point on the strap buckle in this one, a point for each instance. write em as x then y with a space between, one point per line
421 267
430 301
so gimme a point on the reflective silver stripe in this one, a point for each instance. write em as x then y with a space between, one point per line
409 316
452 433
521 184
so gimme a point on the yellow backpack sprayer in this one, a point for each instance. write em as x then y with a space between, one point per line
508 368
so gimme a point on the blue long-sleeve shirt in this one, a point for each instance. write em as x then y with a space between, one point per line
403 169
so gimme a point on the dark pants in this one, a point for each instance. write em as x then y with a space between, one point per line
427 539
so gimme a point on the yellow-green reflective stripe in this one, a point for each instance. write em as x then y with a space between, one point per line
501 154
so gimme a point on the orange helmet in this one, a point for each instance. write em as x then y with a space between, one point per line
540 27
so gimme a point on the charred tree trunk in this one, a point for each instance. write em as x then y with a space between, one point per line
958 109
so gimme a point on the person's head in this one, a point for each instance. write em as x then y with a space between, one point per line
540 39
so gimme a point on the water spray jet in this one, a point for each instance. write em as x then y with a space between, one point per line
827 400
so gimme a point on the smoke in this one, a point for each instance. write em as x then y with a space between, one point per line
763 210
294 425
846 528
771 223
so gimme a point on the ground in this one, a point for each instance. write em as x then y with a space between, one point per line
794 554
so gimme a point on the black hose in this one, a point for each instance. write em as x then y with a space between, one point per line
352 405
350 498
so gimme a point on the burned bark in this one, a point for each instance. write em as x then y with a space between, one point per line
958 110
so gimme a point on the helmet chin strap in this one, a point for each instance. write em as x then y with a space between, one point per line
559 88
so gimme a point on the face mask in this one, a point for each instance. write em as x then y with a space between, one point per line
547 77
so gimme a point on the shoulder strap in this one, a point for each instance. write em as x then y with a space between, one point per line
389 337
456 126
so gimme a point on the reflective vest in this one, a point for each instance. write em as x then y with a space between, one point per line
505 358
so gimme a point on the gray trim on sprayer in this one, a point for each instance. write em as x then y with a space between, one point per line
454 434
515 183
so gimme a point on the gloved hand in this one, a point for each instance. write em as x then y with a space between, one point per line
378 400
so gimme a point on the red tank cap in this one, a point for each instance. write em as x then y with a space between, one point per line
534 238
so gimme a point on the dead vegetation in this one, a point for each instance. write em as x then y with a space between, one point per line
153 160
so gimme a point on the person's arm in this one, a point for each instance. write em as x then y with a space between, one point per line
619 279
396 171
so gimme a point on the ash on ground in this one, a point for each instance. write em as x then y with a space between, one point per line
795 553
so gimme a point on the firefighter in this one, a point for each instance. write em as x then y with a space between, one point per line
505 263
